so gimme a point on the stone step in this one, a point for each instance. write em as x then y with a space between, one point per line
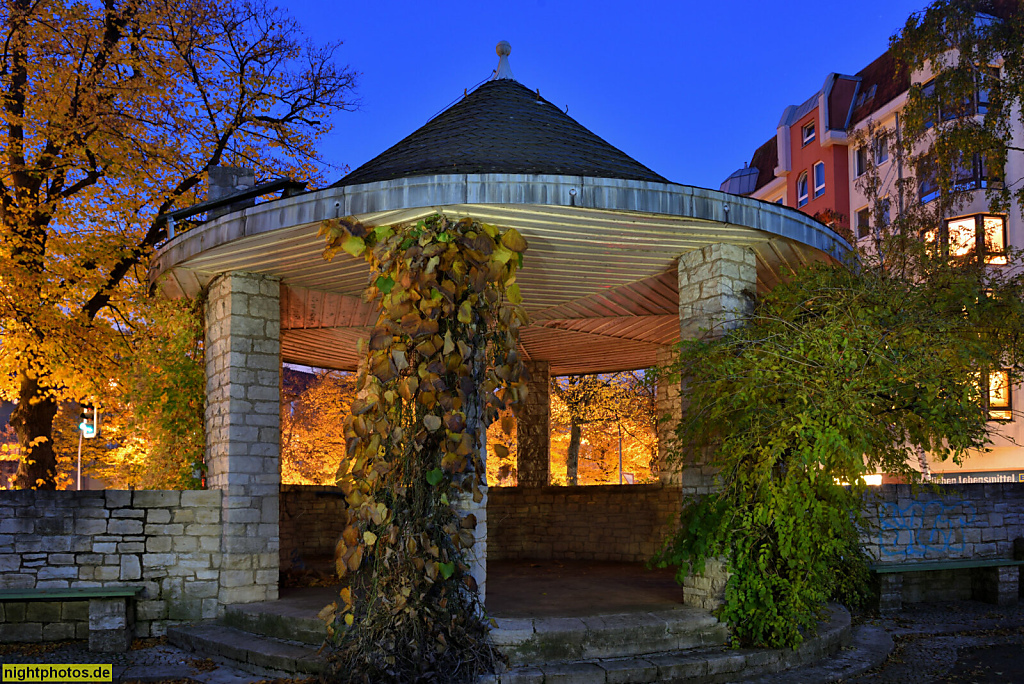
277 620
706 665
260 655
558 640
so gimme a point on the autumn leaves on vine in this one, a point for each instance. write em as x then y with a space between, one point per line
439 365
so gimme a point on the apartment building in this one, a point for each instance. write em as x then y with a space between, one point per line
818 162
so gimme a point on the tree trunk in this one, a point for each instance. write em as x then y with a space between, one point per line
572 459
32 420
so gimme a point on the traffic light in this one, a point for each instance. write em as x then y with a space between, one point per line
90 421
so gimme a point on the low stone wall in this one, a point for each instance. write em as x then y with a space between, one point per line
167 542
930 524
954 522
601 522
312 520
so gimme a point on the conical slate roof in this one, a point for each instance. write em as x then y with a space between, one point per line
501 127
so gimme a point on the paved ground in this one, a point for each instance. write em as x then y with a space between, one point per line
150 660
953 643
957 642
532 589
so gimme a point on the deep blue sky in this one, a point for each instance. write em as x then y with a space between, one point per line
688 88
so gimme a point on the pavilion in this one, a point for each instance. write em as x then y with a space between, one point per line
622 263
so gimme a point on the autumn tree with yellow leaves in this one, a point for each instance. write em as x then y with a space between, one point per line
314 407
111 113
592 417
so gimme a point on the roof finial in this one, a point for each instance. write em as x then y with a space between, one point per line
504 71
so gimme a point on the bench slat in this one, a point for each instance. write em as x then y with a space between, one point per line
56 594
924 566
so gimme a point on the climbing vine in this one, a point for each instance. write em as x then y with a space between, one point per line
440 364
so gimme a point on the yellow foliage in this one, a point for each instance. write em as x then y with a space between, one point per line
313 412
114 113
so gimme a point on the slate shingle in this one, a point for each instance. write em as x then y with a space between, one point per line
501 127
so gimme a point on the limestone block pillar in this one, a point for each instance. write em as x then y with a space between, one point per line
717 288
669 410
476 556
533 428
243 368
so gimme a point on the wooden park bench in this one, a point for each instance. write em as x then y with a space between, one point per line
993 580
111 612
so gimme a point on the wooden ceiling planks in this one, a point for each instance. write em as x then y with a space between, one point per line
601 286
570 352
302 308
618 329
654 329
651 296
334 348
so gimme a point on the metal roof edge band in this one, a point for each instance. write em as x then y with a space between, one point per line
416 192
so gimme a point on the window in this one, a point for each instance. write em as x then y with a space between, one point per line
885 211
980 234
928 92
808 133
975 174
965 236
860 161
927 182
1000 395
881 149
986 80
863 223
819 179
801 190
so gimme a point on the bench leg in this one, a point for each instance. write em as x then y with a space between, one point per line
111 625
890 592
996 585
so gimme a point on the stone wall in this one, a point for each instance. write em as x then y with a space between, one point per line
602 522
312 520
972 521
167 542
958 521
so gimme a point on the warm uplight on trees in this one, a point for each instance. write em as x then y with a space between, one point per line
613 415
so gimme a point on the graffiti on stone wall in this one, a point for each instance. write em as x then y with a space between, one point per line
923 529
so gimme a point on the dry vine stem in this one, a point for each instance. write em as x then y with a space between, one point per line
440 363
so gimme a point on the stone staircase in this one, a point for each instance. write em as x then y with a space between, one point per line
282 639
262 638
652 648
548 640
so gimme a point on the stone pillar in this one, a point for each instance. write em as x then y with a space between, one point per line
476 555
243 367
717 287
533 428
111 624
669 410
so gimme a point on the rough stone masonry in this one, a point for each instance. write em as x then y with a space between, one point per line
168 543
